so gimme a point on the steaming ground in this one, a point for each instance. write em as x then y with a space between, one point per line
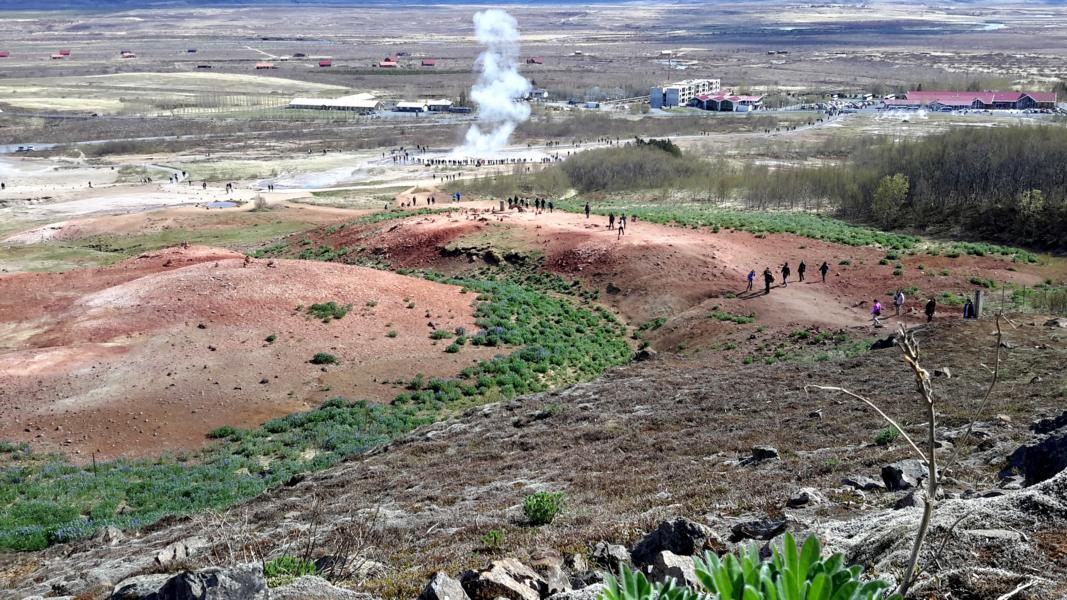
500 88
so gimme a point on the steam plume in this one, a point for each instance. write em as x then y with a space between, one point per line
499 88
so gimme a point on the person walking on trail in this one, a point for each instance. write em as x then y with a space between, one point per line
551 206
622 225
876 311
800 270
768 279
898 301
751 279
785 274
931 307
968 310
587 210
824 269
611 221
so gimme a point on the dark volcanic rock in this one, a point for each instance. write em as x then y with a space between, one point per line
762 529
1039 462
680 536
903 475
243 582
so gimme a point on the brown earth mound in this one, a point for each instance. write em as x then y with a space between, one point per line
153 353
681 274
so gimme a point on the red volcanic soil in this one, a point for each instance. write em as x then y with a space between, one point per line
152 353
680 273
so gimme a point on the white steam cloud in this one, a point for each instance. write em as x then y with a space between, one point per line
500 88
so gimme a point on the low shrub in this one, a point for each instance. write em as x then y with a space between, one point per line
284 569
323 358
886 436
328 311
542 507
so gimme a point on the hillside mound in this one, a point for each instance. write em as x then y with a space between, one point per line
646 442
153 353
659 271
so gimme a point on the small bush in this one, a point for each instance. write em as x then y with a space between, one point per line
323 358
284 569
493 539
328 311
452 348
887 436
541 508
221 433
270 339
440 334
391 333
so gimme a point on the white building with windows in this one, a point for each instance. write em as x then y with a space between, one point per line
681 93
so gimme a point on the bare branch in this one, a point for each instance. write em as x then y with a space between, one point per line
1021 587
910 348
830 388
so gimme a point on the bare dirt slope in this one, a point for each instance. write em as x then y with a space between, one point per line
151 354
645 442
660 271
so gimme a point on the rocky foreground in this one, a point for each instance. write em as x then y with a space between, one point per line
659 460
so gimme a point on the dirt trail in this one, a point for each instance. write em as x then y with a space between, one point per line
153 353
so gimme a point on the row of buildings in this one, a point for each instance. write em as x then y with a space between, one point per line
948 101
367 103
705 94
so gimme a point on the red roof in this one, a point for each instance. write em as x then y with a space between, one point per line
325 63
264 65
387 63
428 62
968 98
65 52
1042 96
4 54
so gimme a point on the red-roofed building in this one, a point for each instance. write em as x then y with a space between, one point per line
127 54
429 62
64 52
4 54
946 100
264 65
387 64
325 63
535 60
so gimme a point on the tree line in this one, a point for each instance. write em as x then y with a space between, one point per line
1004 184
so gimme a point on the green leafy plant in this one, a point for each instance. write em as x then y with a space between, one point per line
270 339
327 311
542 507
440 334
284 569
792 574
323 358
886 436
493 539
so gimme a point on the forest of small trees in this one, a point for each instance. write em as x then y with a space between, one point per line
999 183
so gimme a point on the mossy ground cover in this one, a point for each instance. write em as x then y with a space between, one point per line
554 339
